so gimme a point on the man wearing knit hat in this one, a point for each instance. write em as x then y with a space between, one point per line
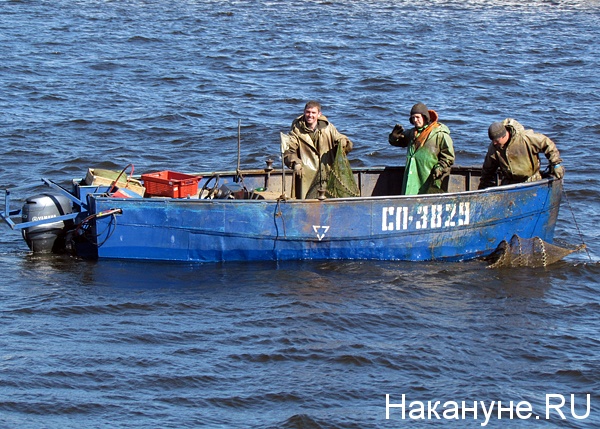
514 152
430 152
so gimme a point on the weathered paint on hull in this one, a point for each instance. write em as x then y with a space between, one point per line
453 226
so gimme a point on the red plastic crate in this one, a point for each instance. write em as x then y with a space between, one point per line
170 184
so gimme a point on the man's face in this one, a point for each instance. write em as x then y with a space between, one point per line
311 114
500 142
417 120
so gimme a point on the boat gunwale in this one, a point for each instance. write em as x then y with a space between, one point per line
494 189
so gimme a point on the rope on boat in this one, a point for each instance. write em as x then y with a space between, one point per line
576 224
83 228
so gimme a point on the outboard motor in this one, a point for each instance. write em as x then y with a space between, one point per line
50 236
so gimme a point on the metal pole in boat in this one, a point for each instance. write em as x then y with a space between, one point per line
282 176
284 145
239 147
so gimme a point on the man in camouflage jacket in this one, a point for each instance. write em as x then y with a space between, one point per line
514 152
313 142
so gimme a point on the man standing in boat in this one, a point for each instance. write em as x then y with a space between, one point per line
514 151
430 152
312 149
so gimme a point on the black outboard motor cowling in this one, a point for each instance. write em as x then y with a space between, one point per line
46 237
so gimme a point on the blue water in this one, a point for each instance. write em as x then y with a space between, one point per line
162 85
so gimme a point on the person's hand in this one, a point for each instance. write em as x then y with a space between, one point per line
398 131
346 145
298 169
558 171
437 173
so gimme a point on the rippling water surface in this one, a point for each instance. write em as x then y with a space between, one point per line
162 85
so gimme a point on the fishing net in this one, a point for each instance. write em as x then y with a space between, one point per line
528 252
340 182
337 180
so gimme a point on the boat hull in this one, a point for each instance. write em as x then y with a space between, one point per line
452 226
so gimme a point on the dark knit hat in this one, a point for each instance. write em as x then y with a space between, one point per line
496 131
422 109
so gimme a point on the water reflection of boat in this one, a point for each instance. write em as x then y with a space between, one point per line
248 217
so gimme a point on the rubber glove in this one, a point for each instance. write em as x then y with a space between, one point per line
558 171
298 169
437 173
397 131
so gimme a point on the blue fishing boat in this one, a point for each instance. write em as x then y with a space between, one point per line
251 215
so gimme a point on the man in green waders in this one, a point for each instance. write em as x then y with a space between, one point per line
430 151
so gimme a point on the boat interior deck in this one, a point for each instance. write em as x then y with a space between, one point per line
372 182
267 183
